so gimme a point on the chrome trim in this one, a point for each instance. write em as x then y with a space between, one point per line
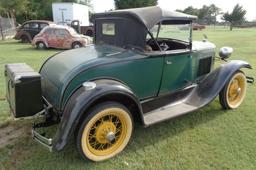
168 62
42 140
89 85
190 86
250 80
16 79
46 142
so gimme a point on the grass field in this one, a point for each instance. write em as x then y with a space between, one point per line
210 138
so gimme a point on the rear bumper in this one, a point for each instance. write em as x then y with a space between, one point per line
41 139
250 80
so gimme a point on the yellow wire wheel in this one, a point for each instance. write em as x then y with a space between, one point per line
105 132
234 92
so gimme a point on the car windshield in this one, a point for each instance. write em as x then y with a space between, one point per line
45 29
72 31
172 31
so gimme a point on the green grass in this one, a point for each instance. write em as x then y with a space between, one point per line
210 138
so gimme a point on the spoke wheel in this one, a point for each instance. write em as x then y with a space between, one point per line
106 132
234 91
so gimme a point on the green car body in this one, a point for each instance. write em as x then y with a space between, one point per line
147 76
120 69
133 62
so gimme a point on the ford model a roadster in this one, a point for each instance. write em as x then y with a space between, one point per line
143 65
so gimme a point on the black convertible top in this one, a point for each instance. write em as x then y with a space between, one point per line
129 28
148 16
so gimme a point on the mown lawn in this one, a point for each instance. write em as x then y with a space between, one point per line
210 138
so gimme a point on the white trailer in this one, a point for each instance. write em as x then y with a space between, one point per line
64 13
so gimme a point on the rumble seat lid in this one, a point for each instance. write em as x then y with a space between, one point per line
57 71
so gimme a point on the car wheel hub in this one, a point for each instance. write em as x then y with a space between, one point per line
77 46
105 133
41 45
110 136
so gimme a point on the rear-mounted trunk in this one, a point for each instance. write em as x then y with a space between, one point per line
23 90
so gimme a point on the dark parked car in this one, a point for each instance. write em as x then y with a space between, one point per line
27 31
142 67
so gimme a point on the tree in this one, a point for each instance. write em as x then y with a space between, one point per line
206 14
124 4
237 16
214 11
13 7
190 10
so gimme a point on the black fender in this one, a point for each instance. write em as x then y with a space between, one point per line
209 88
22 33
81 100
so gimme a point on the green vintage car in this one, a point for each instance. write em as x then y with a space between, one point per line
143 66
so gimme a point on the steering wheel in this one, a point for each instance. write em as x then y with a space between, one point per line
164 46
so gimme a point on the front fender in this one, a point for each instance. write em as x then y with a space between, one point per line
36 40
209 88
80 101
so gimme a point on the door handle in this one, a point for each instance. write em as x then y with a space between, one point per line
168 62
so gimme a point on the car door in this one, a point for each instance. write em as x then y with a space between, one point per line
62 36
51 36
176 71
56 38
34 29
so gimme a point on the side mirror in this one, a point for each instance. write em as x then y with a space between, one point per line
225 52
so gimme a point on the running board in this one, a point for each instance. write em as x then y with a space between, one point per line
167 112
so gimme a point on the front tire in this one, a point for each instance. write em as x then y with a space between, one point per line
76 45
105 132
233 93
40 45
89 33
24 39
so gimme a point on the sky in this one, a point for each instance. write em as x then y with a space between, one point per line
225 5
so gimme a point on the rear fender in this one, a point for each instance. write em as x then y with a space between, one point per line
81 101
209 88
23 33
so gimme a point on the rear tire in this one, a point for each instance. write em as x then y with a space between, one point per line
40 45
76 45
89 33
233 93
105 132
24 39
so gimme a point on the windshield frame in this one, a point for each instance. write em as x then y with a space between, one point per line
172 22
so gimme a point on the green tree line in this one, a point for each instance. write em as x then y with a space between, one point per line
208 14
24 10
124 4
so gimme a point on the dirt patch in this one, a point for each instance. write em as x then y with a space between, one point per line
9 134
2 98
